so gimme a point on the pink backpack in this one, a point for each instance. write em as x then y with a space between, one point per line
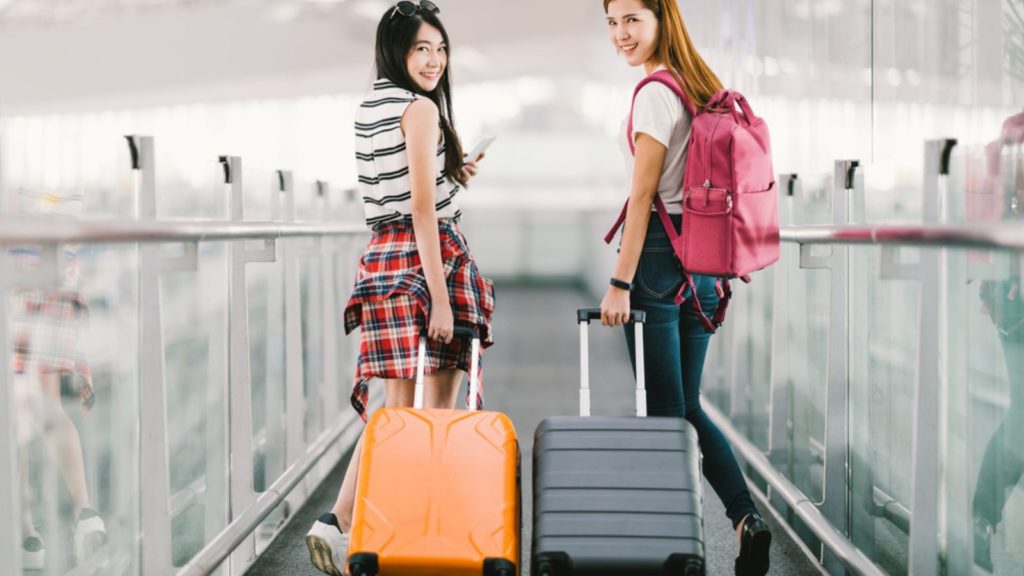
986 201
730 222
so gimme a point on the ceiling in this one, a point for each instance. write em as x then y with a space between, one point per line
15 12
69 55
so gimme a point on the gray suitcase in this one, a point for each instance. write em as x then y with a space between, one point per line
616 495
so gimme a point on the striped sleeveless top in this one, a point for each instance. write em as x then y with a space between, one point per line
382 163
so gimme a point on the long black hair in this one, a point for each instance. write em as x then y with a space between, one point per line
396 35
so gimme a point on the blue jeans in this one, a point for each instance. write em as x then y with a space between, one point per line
675 346
1003 464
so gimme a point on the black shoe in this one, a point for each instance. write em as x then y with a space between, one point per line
755 541
33 553
983 544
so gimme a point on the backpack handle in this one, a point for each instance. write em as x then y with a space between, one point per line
727 100
1013 129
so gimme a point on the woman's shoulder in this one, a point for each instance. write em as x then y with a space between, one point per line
656 97
385 92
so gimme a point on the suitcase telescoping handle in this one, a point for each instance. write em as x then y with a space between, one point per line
583 318
460 331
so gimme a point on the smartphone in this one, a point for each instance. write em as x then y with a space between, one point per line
479 149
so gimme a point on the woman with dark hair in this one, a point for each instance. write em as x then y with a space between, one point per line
416 275
652 34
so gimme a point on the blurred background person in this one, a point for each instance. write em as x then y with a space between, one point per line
48 358
1003 463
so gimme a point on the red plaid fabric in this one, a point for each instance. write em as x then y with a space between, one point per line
392 304
45 326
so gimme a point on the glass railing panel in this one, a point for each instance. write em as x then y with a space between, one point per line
808 359
194 314
739 359
344 267
195 347
311 288
75 399
985 411
809 302
750 343
884 335
308 267
266 321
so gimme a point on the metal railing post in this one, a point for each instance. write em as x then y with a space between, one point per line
860 471
295 402
780 399
242 484
931 382
274 453
314 330
835 504
959 557
216 505
154 489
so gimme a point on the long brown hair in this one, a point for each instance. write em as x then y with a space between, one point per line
678 54
395 38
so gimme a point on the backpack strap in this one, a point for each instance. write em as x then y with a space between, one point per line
664 77
725 296
722 286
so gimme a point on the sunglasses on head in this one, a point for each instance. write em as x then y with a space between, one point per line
407 8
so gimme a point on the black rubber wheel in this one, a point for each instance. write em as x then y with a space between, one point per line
363 565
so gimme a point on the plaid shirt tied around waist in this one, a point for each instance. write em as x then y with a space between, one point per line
391 302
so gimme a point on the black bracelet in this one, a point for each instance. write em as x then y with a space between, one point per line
621 285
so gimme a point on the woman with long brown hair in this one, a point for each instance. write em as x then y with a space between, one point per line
652 34
417 275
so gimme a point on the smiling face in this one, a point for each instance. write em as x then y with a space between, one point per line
633 30
427 58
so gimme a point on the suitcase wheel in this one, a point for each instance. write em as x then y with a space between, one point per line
545 569
552 564
684 564
499 567
363 564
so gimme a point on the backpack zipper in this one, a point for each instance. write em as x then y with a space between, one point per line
707 163
707 150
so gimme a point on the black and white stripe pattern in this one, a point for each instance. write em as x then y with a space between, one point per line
382 164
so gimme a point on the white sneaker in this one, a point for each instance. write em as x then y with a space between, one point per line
90 534
33 553
328 545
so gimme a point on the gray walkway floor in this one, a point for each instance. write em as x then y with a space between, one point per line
531 373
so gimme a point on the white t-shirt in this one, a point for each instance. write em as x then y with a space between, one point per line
660 114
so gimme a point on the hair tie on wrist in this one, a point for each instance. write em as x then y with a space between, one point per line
621 285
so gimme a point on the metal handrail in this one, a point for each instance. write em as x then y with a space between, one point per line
1003 235
851 556
220 547
49 231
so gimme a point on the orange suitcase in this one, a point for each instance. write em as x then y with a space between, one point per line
438 491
